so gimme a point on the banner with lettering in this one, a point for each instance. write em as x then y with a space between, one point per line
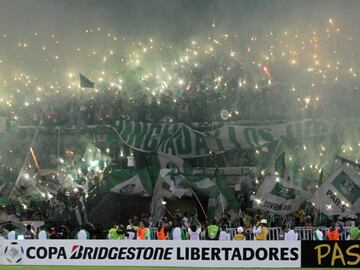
182 140
340 193
279 196
249 254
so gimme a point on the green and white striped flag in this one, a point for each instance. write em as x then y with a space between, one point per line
141 181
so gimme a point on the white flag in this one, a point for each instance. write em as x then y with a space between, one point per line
339 194
279 196
131 186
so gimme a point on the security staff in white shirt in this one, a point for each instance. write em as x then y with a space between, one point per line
82 234
224 236
291 235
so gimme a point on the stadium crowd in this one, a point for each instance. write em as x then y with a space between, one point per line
184 227
198 103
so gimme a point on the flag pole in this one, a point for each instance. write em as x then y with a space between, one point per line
24 163
197 198
58 144
220 195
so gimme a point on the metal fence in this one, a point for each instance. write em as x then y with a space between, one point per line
305 233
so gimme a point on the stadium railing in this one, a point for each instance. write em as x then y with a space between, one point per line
305 233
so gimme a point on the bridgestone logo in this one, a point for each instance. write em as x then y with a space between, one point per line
122 253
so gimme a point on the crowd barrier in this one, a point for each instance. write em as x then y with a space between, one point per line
305 233
246 254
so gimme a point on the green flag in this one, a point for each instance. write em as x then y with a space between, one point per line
347 187
85 82
177 180
285 192
226 191
124 182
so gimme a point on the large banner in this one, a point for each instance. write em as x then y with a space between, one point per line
340 193
279 196
254 254
182 140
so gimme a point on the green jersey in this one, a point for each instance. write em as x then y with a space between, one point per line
355 233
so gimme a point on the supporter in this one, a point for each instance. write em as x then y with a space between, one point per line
13 233
291 235
169 228
224 236
82 234
185 221
248 233
150 233
355 233
121 232
317 235
52 233
212 231
333 232
167 231
239 234
29 233
63 232
261 232
194 231
178 233
130 232
112 233
142 232
43 234
160 231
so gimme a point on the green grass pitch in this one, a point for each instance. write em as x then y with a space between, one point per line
132 268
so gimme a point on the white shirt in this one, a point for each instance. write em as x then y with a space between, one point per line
194 235
319 234
42 235
176 234
224 236
82 235
11 235
131 236
291 235
257 230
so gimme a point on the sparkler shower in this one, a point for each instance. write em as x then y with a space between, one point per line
168 61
